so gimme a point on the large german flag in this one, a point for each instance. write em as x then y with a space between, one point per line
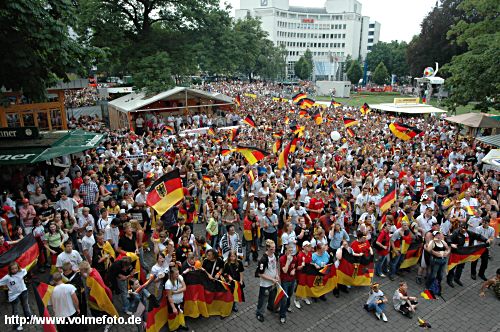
238 294
134 259
306 103
348 122
318 118
277 145
350 132
313 283
249 121
100 297
25 253
293 143
465 254
206 297
159 316
283 157
388 199
252 154
165 192
355 271
335 103
237 100
413 252
404 132
226 152
298 97
302 113
42 296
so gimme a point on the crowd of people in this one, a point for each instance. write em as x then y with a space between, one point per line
81 97
324 202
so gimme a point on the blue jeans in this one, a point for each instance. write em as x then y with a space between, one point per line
395 264
23 298
377 307
380 264
270 293
122 288
437 269
288 287
134 299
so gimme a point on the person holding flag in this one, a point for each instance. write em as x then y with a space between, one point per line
288 264
269 274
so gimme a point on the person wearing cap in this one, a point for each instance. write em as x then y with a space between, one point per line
426 219
439 250
88 242
460 238
304 257
425 202
26 215
376 302
487 232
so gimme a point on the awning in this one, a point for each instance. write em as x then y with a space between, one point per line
407 108
493 140
49 146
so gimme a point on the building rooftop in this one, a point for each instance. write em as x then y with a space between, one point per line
307 10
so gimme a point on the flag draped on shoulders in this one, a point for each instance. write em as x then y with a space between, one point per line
42 293
165 192
100 296
413 251
388 199
206 297
25 253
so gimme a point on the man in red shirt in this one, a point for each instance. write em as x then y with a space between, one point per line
327 220
288 265
78 180
383 246
316 205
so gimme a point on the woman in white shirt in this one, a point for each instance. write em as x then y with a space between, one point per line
175 288
160 271
289 237
17 290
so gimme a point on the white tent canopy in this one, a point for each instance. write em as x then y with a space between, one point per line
407 108
492 158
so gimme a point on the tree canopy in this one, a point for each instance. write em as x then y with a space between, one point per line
355 72
380 75
304 66
392 54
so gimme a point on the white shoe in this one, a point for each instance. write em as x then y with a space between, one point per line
297 304
377 315
306 300
20 328
384 317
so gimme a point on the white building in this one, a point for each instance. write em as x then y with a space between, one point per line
331 33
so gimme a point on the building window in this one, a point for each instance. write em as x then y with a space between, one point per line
372 25
344 27
371 33
343 44
369 48
370 40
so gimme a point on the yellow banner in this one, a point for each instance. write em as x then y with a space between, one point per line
402 101
251 95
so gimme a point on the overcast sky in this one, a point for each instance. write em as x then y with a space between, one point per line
400 19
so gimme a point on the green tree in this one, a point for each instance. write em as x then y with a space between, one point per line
248 41
475 75
271 62
36 47
304 66
354 73
153 74
392 54
431 44
381 75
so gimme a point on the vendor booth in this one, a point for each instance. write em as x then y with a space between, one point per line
179 101
475 122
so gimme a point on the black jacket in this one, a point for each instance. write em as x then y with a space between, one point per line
459 239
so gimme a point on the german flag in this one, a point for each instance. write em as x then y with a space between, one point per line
206 178
226 152
100 296
403 131
277 145
138 271
248 234
365 109
233 134
237 100
355 271
249 121
313 283
280 294
348 122
298 97
211 131
251 177
296 129
159 316
42 296
335 103
287 119
165 192
309 170
25 253
306 148
326 269
318 118
388 199
465 254
350 132
205 297
413 253
306 103
283 157
302 113
238 294
252 154
293 143
464 171
168 129
428 294
278 134
443 172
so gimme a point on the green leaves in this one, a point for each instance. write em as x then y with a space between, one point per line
354 73
381 75
153 74
304 66
392 54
